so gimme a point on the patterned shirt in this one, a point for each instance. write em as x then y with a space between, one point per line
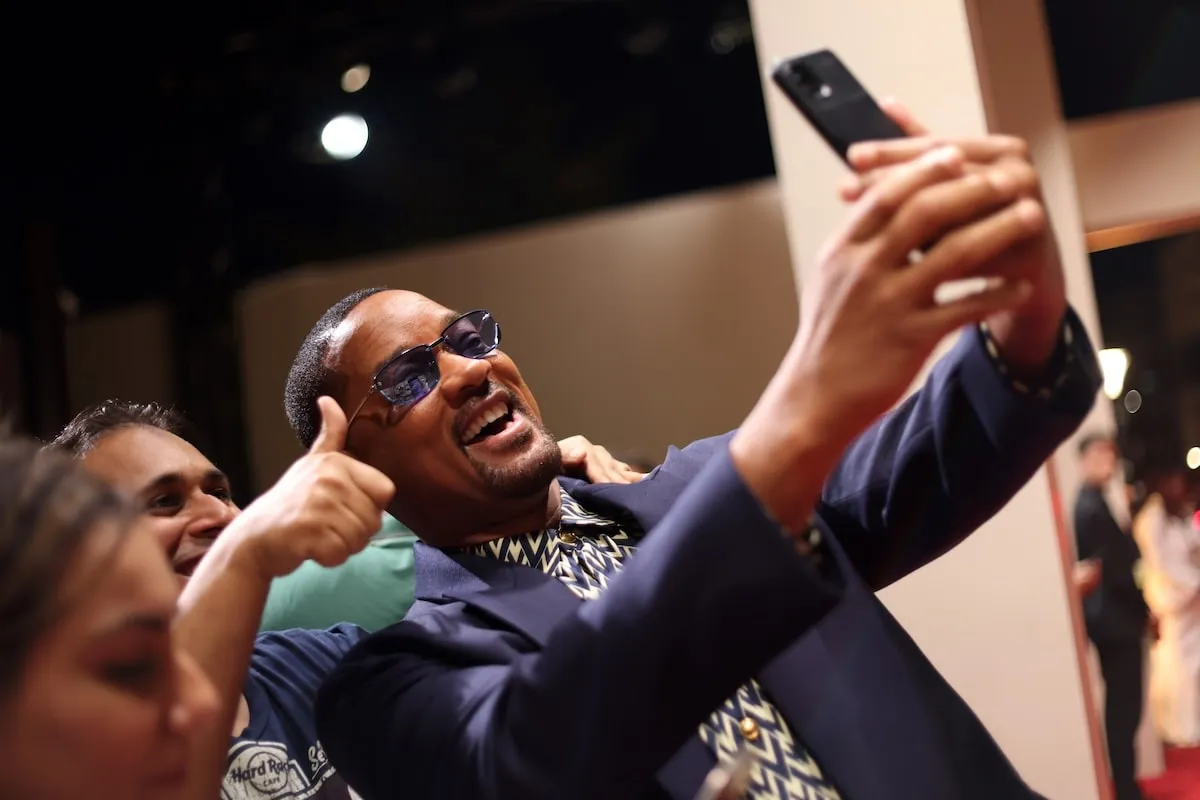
585 552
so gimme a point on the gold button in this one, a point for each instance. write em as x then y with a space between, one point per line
749 729
566 537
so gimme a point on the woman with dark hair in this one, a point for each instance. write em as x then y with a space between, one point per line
96 699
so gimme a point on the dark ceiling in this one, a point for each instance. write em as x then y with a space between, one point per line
165 145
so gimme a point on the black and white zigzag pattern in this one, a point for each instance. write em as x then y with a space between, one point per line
589 558
585 563
783 768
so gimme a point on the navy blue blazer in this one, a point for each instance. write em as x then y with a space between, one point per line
500 684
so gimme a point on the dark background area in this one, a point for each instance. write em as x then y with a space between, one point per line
173 154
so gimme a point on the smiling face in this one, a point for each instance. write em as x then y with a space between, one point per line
185 499
471 455
106 706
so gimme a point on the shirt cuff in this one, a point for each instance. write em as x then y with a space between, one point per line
1058 369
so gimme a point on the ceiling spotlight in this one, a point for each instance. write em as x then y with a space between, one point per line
1114 363
344 136
355 78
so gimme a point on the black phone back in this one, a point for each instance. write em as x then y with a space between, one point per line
833 101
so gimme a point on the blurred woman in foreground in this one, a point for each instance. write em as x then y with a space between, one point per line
96 700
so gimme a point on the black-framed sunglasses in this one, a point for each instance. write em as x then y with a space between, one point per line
412 375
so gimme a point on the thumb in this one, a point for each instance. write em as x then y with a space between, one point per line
332 438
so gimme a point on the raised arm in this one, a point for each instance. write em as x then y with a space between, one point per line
325 507
935 469
992 411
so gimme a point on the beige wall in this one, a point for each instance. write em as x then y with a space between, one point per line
647 326
122 354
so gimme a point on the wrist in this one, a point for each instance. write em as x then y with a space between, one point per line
784 453
1027 341
245 551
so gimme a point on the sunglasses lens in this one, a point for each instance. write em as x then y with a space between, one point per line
473 335
409 378
412 375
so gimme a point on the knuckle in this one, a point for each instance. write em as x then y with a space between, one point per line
921 207
883 200
1016 145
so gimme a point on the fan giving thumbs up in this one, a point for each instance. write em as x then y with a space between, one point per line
326 507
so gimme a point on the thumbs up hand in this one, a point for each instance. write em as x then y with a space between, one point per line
326 507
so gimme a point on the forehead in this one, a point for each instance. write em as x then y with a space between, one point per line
136 455
383 325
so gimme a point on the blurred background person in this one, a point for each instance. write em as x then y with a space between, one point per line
1114 612
1170 546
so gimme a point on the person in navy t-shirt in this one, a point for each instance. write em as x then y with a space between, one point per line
326 507
278 755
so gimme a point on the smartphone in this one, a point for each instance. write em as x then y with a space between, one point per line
833 101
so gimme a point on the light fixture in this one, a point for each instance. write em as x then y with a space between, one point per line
1114 363
344 136
1193 458
1133 401
355 78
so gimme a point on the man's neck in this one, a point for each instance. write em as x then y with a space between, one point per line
535 514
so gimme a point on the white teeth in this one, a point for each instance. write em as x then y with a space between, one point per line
484 419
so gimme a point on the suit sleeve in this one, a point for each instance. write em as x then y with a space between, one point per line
617 689
929 473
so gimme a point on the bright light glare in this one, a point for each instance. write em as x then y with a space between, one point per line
355 78
344 136
1193 458
1114 363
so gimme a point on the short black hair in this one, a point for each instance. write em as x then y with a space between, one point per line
1096 437
95 422
309 377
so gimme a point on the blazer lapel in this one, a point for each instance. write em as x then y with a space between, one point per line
524 598
644 503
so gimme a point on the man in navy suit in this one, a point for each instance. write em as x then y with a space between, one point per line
600 641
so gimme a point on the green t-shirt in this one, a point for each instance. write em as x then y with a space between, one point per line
373 589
